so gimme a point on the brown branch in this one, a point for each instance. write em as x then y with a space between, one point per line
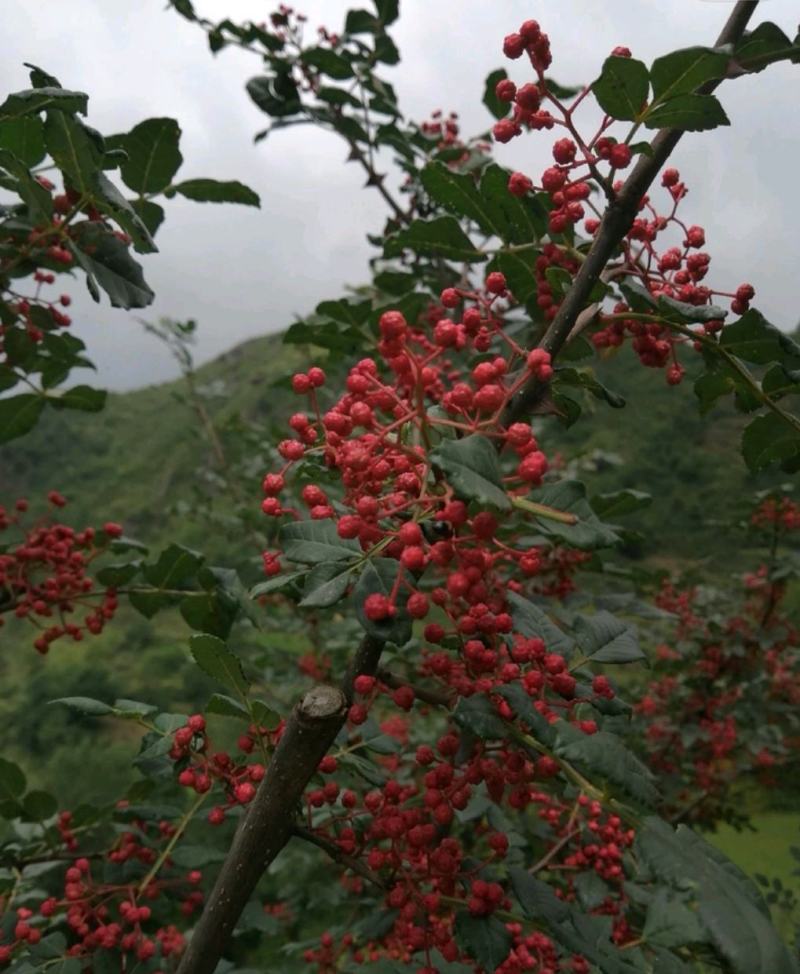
435 697
617 221
269 821
333 850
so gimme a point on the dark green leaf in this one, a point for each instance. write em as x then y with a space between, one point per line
278 96
316 541
620 502
478 715
217 191
603 638
39 806
473 470
498 108
694 113
682 72
670 922
622 88
531 621
33 194
226 706
74 150
24 137
569 496
12 781
519 221
440 237
604 754
379 577
150 213
85 398
19 414
765 440
86 705
485 939
175 565
754 339
215 659
326 585
328 62
108 262
154 155
35 100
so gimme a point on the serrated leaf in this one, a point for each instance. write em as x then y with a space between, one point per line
226 706
73 150
693 113
316 541
473 470
605 755
484 938
439 237
622 88
569 496
755 340
670 922
620 502
681 72
325 585
603 638
531 621
214 658
478 716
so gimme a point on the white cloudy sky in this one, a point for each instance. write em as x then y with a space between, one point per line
243 272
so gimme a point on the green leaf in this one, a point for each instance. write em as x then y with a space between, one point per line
687 313
485 939
39 806
603 638
40 78
326 585
682 72
278 96
531 621
765 40
213 612
765 440
32 193
694 113
620 502
498 108
711 386
459 193
622 88
73 150
217 191
316 541
522 705
86 705
35 100
730 909
24 137
473 470
477 715
175 565
12 781
277 583
110 201
569 496
440 237
779 381
585 379
670 922
154 155
519 270
215 659
19 414
150 213
226 706
379 576
604 754
754 339
108 262
519 221
328 62
85 398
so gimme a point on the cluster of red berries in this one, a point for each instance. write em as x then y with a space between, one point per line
675 272
43 577
201 769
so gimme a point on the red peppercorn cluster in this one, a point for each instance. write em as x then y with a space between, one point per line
676 271
201 769
43 577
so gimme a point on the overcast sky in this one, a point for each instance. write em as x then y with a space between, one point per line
242 272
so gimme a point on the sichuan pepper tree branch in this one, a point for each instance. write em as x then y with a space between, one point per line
616 223
269 821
